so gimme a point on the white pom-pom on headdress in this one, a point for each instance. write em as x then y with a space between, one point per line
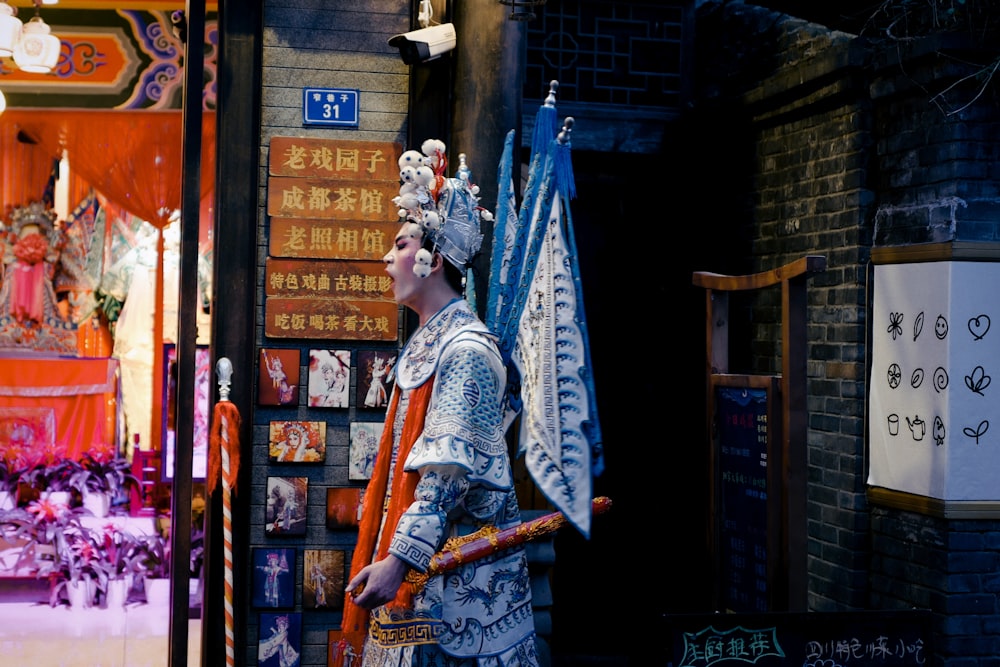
409 201
423 176
408 174
431 220
422 263
434 149
411 158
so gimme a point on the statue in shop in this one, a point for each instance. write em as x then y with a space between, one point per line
41 265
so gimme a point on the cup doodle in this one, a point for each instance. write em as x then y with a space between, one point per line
894 424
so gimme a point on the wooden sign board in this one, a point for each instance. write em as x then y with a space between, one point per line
331 319
859 638
326 239
306 157
318 279
331 199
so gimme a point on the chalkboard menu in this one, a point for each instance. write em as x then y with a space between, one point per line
776 639
741 426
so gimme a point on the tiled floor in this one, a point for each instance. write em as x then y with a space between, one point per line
37 635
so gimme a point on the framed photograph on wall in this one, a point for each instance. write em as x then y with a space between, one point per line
323 579
343 507
286 506
365 437
297 442
280 641
330 378
375 374
273 578
279 377
202 391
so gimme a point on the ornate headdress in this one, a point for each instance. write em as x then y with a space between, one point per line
34 213
446 210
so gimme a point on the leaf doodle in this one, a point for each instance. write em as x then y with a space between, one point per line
978 380
977 432
918 325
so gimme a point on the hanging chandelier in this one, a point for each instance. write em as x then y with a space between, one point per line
10 29
38 49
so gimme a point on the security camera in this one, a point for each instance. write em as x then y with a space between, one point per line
420 46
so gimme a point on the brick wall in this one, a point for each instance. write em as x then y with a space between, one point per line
850 154
318 44
809 132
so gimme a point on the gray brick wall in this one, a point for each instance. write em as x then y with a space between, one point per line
848 158
810 184
328 45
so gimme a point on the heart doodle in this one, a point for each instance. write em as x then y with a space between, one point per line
978 326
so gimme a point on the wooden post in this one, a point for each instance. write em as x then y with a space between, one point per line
786 479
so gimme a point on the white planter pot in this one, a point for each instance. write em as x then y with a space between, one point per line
157 591
117 594
61 497
99 504
80 594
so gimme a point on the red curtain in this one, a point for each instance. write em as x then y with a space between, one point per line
134 158
24 170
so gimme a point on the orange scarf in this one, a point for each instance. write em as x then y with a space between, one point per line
355 619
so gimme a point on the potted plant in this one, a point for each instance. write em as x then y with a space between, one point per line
10 481
45 529
83 568
154 567
123 553
49 472
103 479
14 454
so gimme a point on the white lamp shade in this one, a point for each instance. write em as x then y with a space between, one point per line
38 50
10 30
3 102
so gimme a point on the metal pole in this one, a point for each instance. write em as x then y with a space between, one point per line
180 528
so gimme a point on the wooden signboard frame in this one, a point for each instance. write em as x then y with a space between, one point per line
787 469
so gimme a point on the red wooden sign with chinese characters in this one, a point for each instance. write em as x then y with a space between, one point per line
332 221
331 200
331 319
327 239
334 300
326 279
334 159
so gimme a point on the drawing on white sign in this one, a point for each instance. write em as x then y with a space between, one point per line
933 438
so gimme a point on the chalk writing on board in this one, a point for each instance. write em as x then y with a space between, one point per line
852 650
713 648
742 432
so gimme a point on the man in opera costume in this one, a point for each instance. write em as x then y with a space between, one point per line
442 470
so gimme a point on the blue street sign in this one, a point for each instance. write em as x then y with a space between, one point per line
330 106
